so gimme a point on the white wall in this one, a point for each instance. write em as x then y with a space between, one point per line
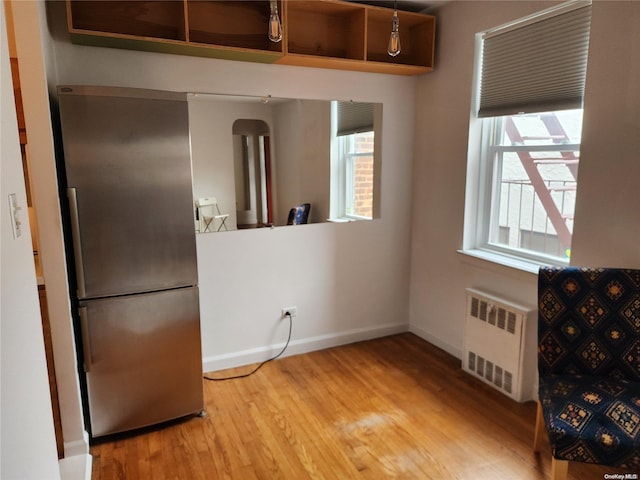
27 439
348 281
607 224
37 65
302 158
287 168
314 132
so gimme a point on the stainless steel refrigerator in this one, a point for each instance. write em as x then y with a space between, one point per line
128 174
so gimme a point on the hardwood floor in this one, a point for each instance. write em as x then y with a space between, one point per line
394 407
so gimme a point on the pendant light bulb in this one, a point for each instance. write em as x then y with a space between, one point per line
394 39
275 27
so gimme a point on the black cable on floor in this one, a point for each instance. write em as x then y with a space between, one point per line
261 364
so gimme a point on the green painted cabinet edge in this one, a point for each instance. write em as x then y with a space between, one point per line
177 47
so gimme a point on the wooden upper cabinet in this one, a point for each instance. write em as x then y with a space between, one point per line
325 29
417 38
319 33
240 24
155 19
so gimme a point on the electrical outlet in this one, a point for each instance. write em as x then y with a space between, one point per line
289 310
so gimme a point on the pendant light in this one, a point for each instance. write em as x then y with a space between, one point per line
394 40
275 27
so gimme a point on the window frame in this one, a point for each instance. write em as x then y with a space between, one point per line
347 174
338 183
480 194
488 192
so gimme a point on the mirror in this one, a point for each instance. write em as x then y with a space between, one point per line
253 178
259 157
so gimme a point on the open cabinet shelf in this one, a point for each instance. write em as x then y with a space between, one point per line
163 20
325 29
417 33
317 33
230 24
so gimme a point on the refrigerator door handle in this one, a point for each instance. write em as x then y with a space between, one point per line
77 244
86 339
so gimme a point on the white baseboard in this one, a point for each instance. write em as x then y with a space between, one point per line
77 447
296 347
453 350
77 467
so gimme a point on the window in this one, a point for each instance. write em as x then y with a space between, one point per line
523 187
534 163
353 162
357 175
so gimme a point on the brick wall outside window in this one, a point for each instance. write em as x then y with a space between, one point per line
363 188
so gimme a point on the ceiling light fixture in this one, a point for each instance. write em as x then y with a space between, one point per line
394 39
275 27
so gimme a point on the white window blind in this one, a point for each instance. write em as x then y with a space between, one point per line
354 117
537 64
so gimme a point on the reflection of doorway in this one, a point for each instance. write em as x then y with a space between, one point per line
252 167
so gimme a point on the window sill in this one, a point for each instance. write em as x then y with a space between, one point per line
347 219
481 257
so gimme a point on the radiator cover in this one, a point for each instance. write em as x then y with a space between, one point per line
500 344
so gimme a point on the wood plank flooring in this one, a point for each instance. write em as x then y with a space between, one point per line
389 408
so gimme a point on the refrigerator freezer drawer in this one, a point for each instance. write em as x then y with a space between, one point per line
143 359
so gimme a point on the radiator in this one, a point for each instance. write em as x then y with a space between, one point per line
500 344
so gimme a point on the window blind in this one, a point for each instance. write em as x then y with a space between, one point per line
536 65
354 117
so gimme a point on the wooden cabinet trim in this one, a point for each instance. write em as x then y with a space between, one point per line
336 34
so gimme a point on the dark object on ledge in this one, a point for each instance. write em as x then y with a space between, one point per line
299 215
